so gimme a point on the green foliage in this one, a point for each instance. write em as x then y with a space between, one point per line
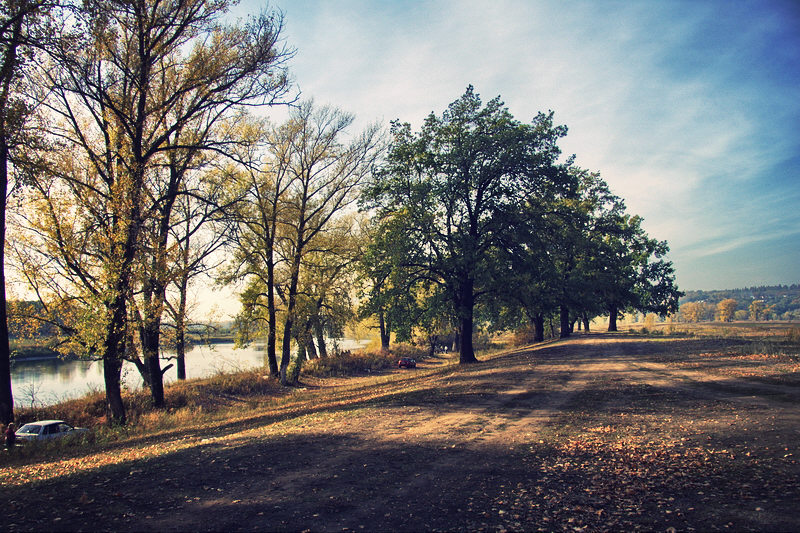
450 197
478 219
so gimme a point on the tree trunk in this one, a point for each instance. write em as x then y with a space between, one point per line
117 329
466 308
319 332
538 328
155 289
151 338
6 393
384 332
272 334
19 13
586 323
112 372
564 322
612 318
294 375
467 352
323 347
310 348
286 347
113 348
180 334
180 319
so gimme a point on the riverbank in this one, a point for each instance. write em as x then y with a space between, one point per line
31 350
43 381
210 395
36 353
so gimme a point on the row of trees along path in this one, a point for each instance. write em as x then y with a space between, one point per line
134 162
476 215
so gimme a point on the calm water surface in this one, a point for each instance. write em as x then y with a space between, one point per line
48 381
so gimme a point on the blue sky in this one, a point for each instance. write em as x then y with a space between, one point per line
689 110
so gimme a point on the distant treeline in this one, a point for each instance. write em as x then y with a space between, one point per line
778 302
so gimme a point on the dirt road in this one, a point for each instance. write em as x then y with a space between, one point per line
601 432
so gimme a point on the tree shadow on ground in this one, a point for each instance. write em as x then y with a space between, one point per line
361 476
324 482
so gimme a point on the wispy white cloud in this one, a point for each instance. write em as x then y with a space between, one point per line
686 108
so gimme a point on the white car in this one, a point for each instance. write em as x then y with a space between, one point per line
46 429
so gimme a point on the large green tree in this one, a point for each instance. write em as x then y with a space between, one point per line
632 272
454 189
388 291
584 220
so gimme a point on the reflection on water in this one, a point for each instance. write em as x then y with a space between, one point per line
48 381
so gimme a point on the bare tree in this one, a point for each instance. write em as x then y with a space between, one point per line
200 230
309 179
326 174
258 218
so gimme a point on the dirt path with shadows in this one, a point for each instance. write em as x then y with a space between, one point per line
601 432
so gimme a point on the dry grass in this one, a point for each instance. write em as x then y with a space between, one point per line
770 338
187 403
198 402
360 361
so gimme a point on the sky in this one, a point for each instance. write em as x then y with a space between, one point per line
689 110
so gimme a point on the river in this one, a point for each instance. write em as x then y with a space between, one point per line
41 382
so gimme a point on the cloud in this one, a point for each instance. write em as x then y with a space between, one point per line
689 110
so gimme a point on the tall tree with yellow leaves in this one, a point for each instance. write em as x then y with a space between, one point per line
726 309
136 108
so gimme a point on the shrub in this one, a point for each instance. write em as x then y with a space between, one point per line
481 341
522 336
359 362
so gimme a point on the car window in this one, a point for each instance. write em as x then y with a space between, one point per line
64 427
30 428
52 428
